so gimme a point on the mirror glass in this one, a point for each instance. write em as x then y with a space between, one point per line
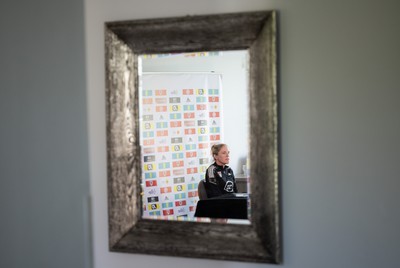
187 103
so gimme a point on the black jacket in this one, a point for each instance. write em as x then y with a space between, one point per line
219 180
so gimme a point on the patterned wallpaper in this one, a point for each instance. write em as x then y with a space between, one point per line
180 120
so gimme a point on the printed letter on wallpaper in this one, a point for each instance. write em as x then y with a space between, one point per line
180 117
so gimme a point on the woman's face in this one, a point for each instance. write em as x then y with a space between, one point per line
222 158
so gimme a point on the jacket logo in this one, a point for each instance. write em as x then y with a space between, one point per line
228 187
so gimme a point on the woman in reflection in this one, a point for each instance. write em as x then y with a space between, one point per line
220 179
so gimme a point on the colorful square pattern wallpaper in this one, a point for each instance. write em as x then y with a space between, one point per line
180 116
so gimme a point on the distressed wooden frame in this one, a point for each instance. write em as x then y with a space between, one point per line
259 241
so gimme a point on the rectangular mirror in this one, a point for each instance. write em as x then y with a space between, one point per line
187 103
129 231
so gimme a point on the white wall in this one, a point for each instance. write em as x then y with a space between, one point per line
339 92
233 67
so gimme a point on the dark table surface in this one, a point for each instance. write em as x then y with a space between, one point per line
230 206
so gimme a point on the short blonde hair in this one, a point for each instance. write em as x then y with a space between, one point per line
216 148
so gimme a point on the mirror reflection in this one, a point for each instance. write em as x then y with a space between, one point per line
194 136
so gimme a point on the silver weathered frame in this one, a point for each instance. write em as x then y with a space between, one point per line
259 241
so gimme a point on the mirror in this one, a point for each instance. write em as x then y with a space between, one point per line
258 241
188 102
